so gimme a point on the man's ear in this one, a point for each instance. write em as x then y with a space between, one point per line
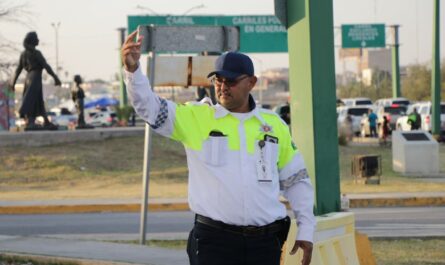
252 82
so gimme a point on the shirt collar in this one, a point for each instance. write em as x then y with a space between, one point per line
221 112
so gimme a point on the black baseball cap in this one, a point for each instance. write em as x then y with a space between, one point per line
232 65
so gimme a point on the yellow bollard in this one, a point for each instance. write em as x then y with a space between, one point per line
335 242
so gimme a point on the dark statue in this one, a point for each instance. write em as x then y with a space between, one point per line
78 95
33 62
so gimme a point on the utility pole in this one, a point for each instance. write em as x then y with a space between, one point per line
56 30
435 72
395 62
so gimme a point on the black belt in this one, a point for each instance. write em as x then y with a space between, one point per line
249 230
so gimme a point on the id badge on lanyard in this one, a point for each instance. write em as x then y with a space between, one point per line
264 171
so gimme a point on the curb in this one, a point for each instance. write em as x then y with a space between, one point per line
397 202
60 260
92 208
183 206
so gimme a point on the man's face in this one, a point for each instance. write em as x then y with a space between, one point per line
234 94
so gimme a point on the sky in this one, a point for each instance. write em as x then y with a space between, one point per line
88 39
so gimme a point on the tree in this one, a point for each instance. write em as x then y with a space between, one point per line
11 14
380 87
416 85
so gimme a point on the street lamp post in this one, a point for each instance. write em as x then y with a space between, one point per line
193 8
147 8
56 30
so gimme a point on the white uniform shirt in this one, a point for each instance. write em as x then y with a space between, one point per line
224 184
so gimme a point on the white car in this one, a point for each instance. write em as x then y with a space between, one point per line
424 109
102 119
62 117
356 113
350 102
383 102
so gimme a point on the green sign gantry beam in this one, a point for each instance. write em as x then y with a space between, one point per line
258 34
313 99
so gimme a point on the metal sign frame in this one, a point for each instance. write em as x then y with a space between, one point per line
172 39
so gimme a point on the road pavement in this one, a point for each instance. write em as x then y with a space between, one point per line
375 222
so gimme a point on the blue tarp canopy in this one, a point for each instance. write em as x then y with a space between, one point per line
102 102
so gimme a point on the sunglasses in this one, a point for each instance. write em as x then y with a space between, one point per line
218 81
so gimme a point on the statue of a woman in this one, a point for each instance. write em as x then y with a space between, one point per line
33 62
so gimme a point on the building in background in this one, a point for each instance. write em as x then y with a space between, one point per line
360 64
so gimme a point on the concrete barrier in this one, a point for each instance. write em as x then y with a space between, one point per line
335 242
41 138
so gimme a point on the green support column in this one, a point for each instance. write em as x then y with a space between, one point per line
123 102
313 99
435 75
395 63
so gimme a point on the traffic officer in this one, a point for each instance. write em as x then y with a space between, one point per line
239 158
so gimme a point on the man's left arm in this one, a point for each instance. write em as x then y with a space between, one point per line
300 195
297 188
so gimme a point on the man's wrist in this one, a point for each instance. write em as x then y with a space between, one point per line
131 68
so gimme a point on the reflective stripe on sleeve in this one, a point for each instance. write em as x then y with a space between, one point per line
162 115
300 175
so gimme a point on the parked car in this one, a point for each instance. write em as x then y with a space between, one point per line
62 117
102 119
392 113
356 113
356 101
283 111
425 111
392 101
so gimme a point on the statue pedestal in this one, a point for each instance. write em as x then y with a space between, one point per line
85 126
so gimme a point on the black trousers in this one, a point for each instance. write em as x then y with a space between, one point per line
211 246
373 130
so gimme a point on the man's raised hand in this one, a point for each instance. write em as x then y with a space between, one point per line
131 52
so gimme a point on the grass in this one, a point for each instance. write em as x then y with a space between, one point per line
390 181
22 260
99 169
409 251
113 169
171 244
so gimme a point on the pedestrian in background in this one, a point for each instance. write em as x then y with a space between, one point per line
372 118
414 120
386 129
239 158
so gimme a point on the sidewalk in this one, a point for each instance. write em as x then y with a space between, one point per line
358 200
90 252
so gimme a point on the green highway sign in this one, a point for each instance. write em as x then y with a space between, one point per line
258 34
363 36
